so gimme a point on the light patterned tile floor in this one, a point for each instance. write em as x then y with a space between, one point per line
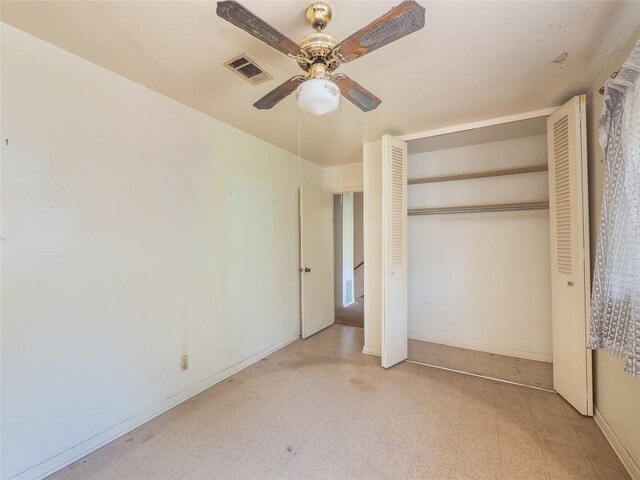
503 367
319 409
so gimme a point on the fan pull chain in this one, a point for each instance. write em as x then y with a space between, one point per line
341 182
299 161
341 166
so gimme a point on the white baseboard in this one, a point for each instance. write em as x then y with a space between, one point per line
510 352
76 452
372 351
632 467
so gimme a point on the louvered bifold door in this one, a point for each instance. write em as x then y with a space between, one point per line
394 248
570 283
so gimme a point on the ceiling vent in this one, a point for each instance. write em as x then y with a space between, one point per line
248 69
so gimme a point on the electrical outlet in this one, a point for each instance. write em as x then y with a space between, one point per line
184 362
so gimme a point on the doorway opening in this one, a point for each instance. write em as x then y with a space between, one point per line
349 259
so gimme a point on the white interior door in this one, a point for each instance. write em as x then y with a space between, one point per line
568 214
316 260
394 251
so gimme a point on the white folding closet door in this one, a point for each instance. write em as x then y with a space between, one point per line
316 260
394 251
568 214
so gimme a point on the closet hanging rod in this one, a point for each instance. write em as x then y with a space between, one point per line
486 207
498 172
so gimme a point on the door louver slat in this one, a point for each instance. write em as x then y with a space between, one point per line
562 194
397 212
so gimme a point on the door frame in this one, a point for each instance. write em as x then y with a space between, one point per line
375 349
462 127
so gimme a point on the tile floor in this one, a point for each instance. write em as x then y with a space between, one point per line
503 367
319 409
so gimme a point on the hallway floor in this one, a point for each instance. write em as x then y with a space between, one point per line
353 315
320 409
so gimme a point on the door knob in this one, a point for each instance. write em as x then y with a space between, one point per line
307 270
570 283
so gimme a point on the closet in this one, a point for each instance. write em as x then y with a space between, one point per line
479 252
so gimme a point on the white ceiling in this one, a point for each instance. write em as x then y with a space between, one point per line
472 61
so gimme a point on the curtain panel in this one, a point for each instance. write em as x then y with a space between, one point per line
615 299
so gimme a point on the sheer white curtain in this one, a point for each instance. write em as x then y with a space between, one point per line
615 302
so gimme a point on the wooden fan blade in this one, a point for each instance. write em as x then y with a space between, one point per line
278 94
356 93
242 18
398 22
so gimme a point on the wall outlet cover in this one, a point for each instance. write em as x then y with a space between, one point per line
184 362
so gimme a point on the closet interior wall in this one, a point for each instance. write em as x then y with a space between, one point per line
480 280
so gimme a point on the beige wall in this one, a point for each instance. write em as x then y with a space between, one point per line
344 178
135 230
617 395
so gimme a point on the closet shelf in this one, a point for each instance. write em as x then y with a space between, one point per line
486 207
498 172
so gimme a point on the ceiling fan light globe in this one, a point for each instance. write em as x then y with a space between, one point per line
318 96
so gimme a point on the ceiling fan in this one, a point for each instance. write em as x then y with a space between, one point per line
320 54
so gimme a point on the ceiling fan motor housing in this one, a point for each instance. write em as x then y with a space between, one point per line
318 15
318 48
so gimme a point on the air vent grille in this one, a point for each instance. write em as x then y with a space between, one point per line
248 69
238 63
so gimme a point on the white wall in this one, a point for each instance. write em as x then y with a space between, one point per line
343 234
338 285
481 280
358 244
347 249
372 181
135 230
617 395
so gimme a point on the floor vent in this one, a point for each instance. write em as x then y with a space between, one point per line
244 66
